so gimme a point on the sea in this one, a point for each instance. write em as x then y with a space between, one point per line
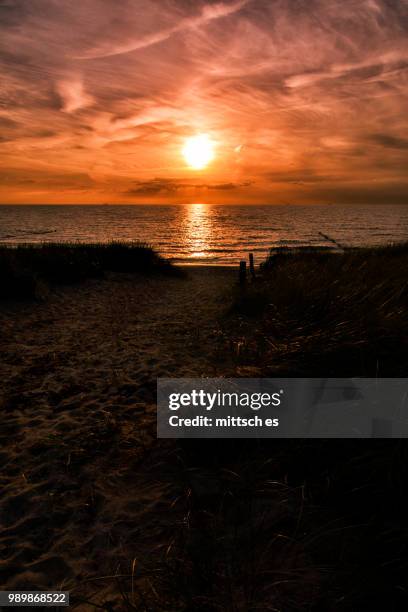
208 233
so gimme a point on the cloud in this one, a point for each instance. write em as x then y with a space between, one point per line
303 99
5 122
73 95
297 177
45 179
170 186
228 186
208 13
153 187
392 142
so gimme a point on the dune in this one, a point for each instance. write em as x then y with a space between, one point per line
94 504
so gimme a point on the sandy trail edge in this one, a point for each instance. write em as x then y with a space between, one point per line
86 488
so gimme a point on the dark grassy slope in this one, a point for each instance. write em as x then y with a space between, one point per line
312 525
293 526
25 269
325 314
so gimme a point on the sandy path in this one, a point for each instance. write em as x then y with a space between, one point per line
85 487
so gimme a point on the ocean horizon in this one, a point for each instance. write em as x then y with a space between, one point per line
210 234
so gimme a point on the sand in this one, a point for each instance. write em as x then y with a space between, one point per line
87 490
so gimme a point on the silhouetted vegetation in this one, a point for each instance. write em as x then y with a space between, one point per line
26 269
328 314
304 524
290 525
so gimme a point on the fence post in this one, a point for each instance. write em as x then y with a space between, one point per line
251 265
242 272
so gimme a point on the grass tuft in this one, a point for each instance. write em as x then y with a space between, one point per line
27 268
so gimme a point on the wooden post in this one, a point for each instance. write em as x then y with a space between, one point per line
251 265
242 272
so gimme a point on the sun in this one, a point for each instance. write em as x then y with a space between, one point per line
198 151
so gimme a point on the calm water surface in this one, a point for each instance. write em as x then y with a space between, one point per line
204 233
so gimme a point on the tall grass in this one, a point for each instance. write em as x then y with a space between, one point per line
324 313
26 268
305 524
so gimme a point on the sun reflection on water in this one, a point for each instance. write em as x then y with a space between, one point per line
199 230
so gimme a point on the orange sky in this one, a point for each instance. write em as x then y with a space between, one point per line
306 100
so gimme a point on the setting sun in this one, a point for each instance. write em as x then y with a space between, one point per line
198 151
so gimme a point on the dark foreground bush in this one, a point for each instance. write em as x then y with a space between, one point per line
26 268
323 313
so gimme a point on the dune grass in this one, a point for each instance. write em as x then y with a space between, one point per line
299 524
27 268
328 314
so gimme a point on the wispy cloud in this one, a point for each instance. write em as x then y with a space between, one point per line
208 12
304 100
73 95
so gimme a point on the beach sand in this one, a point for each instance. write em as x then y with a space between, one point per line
87 490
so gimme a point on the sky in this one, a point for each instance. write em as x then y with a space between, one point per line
306 101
